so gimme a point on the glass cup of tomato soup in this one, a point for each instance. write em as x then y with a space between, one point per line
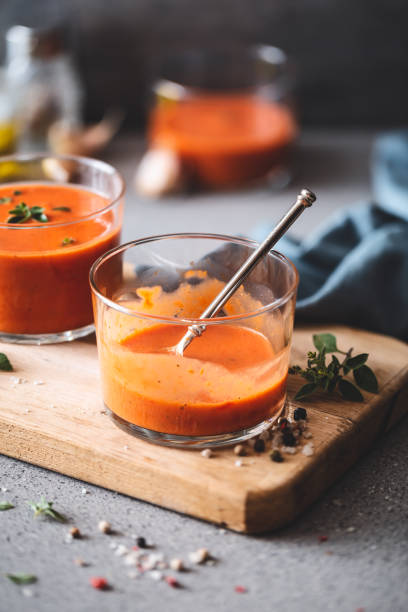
227 113
230 383
58 214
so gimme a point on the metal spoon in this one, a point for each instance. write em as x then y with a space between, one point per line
304 200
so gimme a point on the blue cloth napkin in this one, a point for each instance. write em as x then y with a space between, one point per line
354 268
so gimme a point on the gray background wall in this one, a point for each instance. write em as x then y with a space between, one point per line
352 56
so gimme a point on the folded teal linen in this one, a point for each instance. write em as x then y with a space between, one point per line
354 268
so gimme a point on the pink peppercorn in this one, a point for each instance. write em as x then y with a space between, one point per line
99 583
240 589
323 538
172 582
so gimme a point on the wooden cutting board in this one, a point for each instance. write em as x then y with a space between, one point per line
60 425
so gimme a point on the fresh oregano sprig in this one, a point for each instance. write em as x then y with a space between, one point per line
44 508
330 377
22 213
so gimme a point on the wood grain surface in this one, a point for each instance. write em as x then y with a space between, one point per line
61 425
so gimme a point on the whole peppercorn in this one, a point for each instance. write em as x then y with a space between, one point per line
288 438
276 456
75 533
283 425
141 542
99 583
259 446
104 527
299 414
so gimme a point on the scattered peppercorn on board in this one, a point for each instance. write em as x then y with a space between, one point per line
51 415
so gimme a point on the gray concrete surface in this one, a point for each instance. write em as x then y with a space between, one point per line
362 565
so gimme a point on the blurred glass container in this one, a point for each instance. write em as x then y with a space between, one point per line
43 80
228 114
8 127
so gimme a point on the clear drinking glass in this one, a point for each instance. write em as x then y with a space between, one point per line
44 266
227 113
230 384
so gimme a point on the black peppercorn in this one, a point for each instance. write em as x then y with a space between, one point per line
259 446
283 424
276 456
141 542
299 414
288 438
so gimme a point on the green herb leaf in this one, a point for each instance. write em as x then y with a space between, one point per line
366 379
356 362
350 391
44 507
6 505
5 200
22 213
22 578
41 217
331 377
306 390
325 341
68 241
5 365
17 192
63 208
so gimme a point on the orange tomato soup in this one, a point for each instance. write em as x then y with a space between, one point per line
224 140
231 378
44 267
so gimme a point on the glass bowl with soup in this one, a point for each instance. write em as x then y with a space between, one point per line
57 216
230 383
227 113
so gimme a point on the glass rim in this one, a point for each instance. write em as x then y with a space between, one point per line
176 89
89 161
192 321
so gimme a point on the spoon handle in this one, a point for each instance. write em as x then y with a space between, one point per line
304 200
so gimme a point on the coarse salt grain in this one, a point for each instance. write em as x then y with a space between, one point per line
4 489
350 529
207 452
134 574
27 592
289 450
308 450
156 575
131 558
121 551
84 491
38 382
307 434
238 463
125 447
